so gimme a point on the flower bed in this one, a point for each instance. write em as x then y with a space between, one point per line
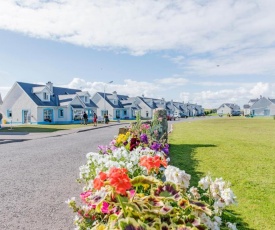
129 185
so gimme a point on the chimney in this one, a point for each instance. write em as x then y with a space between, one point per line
50 86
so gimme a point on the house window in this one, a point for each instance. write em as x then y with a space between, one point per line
9 113
77 114
60 113
147 114
48 115
104 112
117 113
45 96
125 112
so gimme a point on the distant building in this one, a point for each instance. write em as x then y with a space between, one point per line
246 107
263 107
229 108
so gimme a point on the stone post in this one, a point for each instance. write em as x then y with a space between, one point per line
160 115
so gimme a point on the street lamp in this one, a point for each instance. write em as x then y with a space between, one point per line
105 95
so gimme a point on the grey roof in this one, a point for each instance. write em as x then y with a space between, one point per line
231 105
246 106
91 104
254 100
109 96
83 93
272 100
61 96
77 106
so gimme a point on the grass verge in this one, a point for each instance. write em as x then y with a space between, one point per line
240 150
44 128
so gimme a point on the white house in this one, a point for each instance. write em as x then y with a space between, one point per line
45 104
263 107
229 108
246 107
116 106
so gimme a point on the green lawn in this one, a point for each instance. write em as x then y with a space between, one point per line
240 150
42 128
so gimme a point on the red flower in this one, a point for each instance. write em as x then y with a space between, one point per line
102 176
119 179
152 163
99 181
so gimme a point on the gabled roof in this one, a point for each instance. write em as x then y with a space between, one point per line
91 104
83 93
253 100
272 100
61 96
231 106
146 101
109 97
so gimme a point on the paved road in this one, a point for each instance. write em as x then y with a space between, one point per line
37 176
38 173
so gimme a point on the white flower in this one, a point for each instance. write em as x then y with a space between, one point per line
218 219
205 182
177 176
231 226
70 200
228 196
194 191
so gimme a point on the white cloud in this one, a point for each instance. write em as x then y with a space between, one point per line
172 81
142 26
240 95
129 87
4 91
259 89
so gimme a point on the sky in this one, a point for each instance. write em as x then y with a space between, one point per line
207 52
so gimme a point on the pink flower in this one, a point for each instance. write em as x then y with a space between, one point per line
84 196
132 193
105 207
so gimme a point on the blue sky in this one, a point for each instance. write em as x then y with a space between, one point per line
198 51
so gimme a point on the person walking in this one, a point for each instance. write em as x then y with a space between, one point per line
95 119
106 118
85 117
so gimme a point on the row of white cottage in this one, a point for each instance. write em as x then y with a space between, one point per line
47 104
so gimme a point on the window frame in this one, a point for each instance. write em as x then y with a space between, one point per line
61 110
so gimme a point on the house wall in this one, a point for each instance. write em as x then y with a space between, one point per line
246 112
144 109
261 107
123 116
99 101
272 109
17 101
224 110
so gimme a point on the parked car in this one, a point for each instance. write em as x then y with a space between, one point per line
236 113
182 115
170 118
